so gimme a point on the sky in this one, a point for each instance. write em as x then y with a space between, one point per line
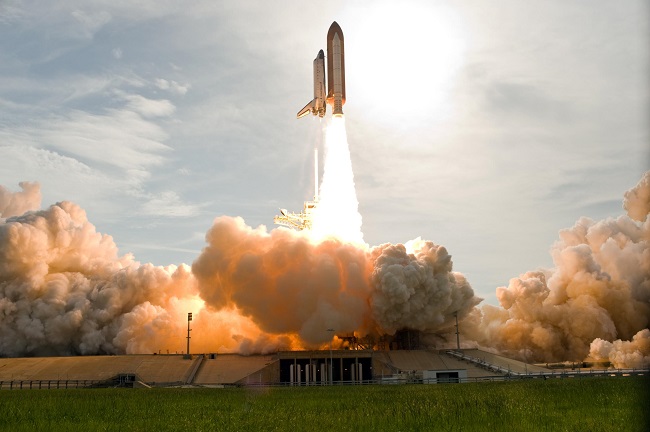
485 128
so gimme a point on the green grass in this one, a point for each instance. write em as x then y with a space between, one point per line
589 404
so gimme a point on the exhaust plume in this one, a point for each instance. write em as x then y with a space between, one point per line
623 354
65 290
286 283
337 213
599 290
414 287
17 203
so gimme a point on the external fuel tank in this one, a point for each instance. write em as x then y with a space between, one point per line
335 69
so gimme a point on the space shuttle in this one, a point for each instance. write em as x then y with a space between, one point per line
335 95
317 105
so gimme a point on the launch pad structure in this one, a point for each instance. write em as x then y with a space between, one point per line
304 219
284 368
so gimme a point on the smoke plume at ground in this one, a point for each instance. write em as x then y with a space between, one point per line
286 283
599 291
65 290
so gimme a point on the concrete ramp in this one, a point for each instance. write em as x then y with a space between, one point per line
149 368
506 363
416 360
234 368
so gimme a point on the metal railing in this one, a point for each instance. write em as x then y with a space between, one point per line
48 384
386 380
508 373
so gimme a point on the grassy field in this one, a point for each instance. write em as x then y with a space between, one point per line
589 404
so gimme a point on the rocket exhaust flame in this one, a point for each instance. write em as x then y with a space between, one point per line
337 213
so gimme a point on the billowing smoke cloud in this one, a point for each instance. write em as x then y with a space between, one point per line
64 289
624 354
288 284
637 199
417 290
599 289
17 203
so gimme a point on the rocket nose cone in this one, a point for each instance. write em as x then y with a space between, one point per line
334 28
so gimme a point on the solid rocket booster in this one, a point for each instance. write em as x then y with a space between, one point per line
335 77
317 105
335 69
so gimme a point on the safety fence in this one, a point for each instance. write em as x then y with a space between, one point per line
49 384
387 380
564 373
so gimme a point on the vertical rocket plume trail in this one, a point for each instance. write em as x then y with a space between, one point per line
337 214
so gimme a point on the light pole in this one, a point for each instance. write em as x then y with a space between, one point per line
457 332
331 371
189 318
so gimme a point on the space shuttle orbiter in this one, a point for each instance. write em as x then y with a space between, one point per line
317 106
335 76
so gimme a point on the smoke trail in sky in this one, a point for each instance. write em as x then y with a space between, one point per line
338 209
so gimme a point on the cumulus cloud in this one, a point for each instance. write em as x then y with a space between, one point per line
172 86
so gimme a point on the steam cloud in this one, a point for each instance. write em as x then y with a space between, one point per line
599 291
17 203
287 284
65 290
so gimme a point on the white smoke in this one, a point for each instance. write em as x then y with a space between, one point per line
64 289
637 199
624 354
599 289
17 203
